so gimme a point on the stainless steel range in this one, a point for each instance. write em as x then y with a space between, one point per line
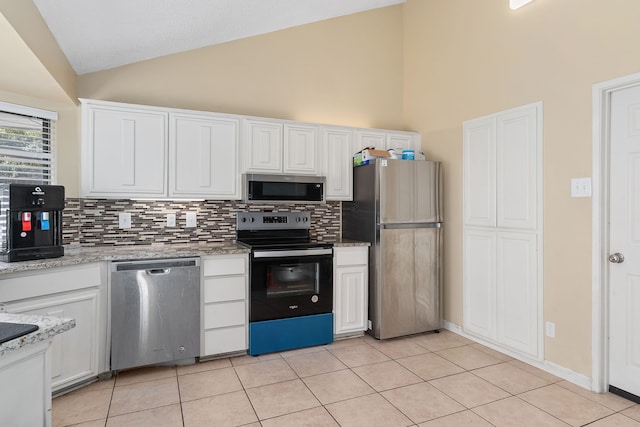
291 276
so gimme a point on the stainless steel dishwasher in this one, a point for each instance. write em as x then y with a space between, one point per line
155 311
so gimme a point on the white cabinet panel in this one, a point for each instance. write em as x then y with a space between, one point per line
74 354
204 155
338 164
401 141
351 283
218 289
263 146
479 282
301 149
223 266
228 340
517 289
224 314
479 172
124 151
517 170
369 138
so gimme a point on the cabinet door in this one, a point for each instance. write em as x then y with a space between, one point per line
124 152
479 280
351 299
74 354
399 141
301 152
517 291
517 169
263 146
338 163
479 172
204 154
369 138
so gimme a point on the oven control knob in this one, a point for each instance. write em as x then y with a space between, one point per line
305 219
314 298
243 220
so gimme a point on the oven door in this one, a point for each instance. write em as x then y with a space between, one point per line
291 283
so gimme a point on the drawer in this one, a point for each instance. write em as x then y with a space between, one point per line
225 340
224 266
352 256
218 289
224 314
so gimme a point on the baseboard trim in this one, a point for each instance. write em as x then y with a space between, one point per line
553 368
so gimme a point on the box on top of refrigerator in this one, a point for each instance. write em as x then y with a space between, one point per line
366 154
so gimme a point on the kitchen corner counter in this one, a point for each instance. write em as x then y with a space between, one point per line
74 255
345 243
48 327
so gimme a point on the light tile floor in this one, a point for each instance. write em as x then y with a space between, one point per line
430 380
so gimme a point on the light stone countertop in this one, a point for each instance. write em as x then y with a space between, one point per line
74 255
47 327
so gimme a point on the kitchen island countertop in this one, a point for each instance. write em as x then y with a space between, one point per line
47 327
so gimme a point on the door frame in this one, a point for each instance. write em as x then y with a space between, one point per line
600 231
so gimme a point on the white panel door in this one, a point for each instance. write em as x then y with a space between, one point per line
516 289
338 162
399 141
301 149
516 154
479 279
126 151
204 156
479 172
262 146
624 276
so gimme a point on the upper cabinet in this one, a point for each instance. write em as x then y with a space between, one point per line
386 140
203 156
124 151
134 151
277 147
337 143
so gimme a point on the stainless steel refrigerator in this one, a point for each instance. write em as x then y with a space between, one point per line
397 208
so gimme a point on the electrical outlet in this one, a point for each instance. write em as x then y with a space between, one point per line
581 187
124 220
369 324
171 220
550 329
191 220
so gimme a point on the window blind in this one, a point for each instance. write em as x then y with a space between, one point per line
27 143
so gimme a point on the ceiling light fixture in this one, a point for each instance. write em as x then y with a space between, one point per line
516 4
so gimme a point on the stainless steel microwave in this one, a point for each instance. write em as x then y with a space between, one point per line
261 188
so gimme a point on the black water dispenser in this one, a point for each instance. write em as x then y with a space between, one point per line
31 223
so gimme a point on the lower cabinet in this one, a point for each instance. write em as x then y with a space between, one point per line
224 304
350 290
77 292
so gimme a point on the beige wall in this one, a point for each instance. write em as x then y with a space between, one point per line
345 71
465 59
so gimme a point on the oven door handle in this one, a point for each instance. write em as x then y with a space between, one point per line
289 253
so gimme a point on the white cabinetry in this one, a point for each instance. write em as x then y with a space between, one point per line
136 151
77 292
386 140
337 143
224 304
203 156
281 147
502 156
351 282
124 151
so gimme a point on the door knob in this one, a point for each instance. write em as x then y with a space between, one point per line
616 258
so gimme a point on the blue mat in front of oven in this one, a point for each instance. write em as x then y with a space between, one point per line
285 334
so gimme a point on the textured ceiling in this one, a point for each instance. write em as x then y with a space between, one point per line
100 34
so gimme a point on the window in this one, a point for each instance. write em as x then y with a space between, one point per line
27 137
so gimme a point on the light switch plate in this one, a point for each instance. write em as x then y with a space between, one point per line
171 220
191 219
581 187
124 220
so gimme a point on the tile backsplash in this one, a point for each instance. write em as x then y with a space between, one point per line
94 222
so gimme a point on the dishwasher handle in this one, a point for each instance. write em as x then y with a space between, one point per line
158 271
157 266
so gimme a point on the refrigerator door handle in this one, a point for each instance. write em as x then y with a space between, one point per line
398 226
